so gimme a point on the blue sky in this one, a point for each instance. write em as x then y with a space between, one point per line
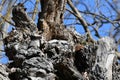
4 59
93 8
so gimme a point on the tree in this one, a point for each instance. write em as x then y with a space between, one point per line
51 49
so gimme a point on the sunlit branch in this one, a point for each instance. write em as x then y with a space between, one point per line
35 9
76 13
7 20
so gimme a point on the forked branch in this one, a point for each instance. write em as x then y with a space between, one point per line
77 14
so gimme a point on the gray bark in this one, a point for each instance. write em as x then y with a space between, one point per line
65 56
104 59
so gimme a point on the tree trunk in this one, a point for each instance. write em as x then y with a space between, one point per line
56 59
50 17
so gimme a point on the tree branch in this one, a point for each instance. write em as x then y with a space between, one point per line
7 20
81 20
35 9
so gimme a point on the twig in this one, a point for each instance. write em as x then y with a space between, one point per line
76 13
96 32
35 9
2 51
112 6
7 20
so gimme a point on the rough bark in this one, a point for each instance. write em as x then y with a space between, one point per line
104 59
3 72
57 59
51 18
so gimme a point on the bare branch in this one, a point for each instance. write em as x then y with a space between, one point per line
7 20
35 10
2 51
96 32
81 20
114 9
